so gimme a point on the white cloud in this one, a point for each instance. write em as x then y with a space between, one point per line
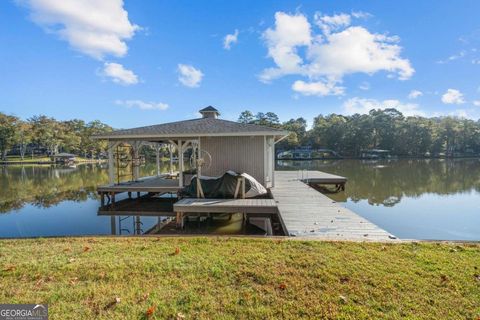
119 74
338 50
461 113
476 103
361 15
356 50
453 96
331 23
414 94
364 86
471 113
363 106
453 57
290 32
230 39
318 88
189 76
95 28
142 105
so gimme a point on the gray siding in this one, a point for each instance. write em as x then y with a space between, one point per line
240 154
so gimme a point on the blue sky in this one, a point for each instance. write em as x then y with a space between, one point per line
136 63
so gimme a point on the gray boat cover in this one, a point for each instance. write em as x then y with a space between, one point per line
223 187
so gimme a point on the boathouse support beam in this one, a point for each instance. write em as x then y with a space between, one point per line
170 149
157 158
180 162
111 165
136 159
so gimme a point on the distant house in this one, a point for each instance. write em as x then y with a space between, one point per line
225 145
375 154
63 158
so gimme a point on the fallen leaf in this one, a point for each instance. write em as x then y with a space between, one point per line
344 279
150 311
177 250
144 297
282 286
343 298
73 281
67 250
9 268
180 316
71 260
85 249
112 303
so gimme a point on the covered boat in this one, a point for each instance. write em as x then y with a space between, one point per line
229 185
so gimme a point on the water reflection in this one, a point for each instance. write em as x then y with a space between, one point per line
387 182
46 186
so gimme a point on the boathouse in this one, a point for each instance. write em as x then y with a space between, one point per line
221 144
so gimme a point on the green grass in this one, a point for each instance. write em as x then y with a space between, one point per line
237 278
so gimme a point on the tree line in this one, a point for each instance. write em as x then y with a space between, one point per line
48 136
386 129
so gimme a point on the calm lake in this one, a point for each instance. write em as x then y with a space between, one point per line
414 199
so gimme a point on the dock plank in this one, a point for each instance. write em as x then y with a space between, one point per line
258 206
150 184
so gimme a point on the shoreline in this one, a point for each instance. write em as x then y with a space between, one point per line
392 158
5 163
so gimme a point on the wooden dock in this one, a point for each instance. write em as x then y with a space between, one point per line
301 210
305 212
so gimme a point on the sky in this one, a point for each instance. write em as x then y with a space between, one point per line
133 63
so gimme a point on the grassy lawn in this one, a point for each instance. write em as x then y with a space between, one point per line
233 278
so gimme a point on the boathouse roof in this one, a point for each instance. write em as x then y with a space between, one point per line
208 125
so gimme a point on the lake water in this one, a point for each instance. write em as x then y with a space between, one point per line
414 199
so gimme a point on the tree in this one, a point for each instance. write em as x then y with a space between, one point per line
91 145
268 119
47 133
245 117
8 125
298 129
74 131
24 137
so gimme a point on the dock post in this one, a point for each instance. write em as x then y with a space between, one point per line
113 226
179 220
170 148
111 169
136 160
180 162
243 187
157 158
